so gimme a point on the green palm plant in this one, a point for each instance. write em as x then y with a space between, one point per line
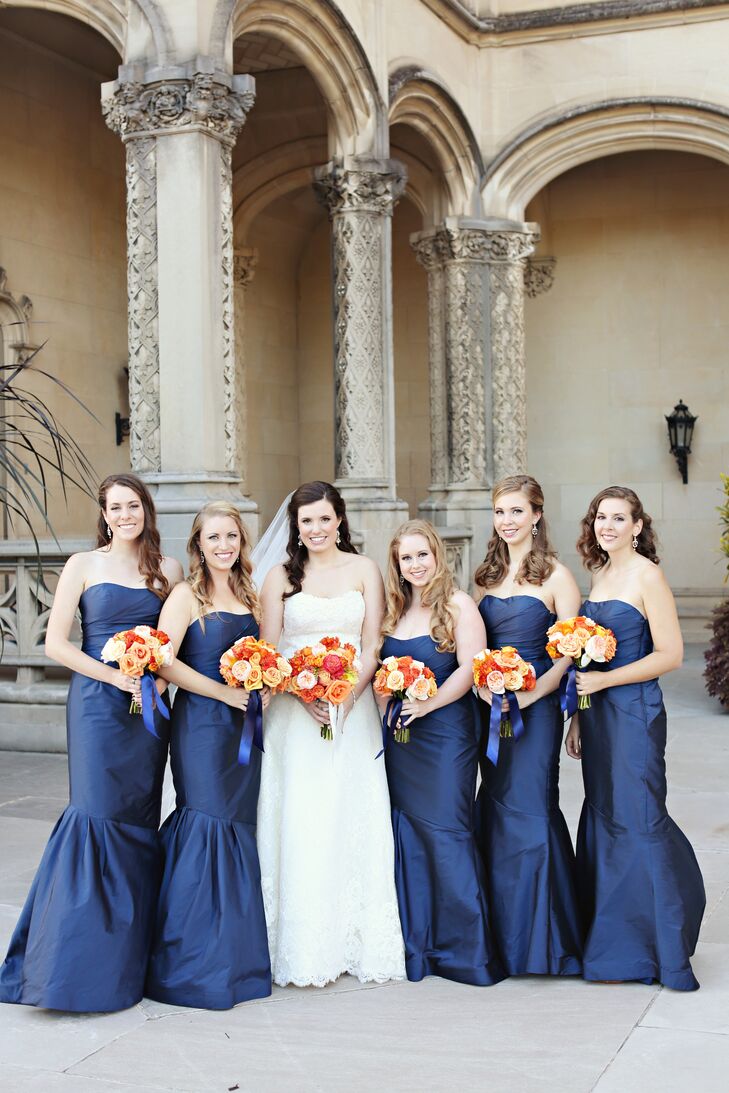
37 453
716 672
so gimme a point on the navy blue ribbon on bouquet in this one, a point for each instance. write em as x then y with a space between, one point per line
389 721
568 692
495 718
252 731
151 700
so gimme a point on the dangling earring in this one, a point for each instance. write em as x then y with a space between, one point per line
635 543
299 542
202 559
339 538
402 579
108 532
534 531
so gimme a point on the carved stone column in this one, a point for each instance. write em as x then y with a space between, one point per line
476 308
360 196
179 126
244 268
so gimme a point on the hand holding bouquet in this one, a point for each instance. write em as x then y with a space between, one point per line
503 672
585 641
401 679
253 664
327 671
138 653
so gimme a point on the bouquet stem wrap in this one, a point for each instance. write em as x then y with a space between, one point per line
568 692
252 731
151 700
501 724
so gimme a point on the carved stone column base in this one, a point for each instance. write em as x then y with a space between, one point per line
178 498
373 522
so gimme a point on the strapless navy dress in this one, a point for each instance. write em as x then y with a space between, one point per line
530 863
439 877
210 948
83 938
639 880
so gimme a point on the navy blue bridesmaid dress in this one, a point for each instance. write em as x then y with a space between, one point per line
439 877
211 947
639 880
83 938
530 863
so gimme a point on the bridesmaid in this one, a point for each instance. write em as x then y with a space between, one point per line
210 949
439 876
639 880
83 937
527 849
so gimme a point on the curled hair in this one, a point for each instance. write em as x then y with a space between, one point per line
150 550
539 562
437 594
298 555
240 575
593 556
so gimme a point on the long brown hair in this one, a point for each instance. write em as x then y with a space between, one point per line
539 562
150 549
298 555
593 556
437 595
240 579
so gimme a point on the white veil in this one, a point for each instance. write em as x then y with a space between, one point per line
270 550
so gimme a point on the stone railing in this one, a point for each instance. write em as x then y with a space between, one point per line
28 579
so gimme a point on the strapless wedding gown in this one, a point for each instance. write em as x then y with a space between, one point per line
324 833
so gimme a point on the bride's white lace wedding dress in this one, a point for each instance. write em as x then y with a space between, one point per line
324 831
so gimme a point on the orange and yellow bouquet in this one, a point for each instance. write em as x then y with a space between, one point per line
503 671
328 670
139 652
585 641
402 678
253 664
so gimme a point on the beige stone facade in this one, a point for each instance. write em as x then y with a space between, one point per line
407 245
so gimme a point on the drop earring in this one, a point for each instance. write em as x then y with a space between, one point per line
108 532
299 542
202 559
534 531
402 579
635 543
339 538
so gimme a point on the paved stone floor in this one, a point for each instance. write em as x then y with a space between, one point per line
524 1035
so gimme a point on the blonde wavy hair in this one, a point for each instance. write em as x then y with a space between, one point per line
240 577
541 558
437 595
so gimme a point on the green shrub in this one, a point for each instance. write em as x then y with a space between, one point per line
716 672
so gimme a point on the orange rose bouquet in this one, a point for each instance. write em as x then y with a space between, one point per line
503 672
139 652
586 642
253 664
401 678
326 671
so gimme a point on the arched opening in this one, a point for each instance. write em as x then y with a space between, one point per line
635 320
63 221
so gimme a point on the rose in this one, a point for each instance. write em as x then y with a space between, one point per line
338 692
130 666
569 645
611 646
395 680
283 666
272 677
495 682
596 648
144 631
390 663
241 670
582 634
334 665
507 657
113 649
139 652
324 677
254 679
305 680
513 680
319 650
420 689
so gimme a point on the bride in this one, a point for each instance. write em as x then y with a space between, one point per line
324 832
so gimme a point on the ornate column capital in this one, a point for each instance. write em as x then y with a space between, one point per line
369 186
539 276
201 102
245 261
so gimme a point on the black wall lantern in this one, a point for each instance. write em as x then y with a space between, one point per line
680 432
